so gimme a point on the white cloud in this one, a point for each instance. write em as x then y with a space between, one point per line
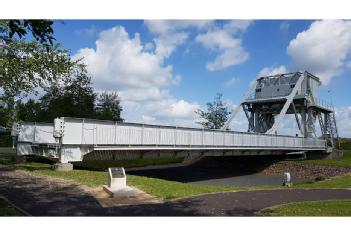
225 40
137 71
322 48
172 108
121 63
231 82
269 71
172 33
343 121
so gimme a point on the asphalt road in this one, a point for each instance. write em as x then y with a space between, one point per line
40 196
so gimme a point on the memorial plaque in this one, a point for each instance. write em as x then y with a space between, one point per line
117 172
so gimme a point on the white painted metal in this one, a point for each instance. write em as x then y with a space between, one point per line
29 135
82 136
36 133
237 108
103 133
287 104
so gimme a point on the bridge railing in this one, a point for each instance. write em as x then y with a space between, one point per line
108 133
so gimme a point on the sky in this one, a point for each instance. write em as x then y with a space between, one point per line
164 70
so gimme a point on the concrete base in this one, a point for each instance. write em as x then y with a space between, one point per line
62 166
125 192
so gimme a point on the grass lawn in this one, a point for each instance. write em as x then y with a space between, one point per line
163 189
7 209
314 208
335 182
344 161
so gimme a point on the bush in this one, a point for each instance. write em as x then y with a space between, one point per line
5 139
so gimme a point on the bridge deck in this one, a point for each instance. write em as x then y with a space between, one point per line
82 136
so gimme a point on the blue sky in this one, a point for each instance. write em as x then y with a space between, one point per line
164 70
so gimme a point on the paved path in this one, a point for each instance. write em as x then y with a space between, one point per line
40 196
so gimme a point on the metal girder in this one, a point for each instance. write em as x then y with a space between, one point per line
289 99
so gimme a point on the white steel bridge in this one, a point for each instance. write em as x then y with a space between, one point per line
70 139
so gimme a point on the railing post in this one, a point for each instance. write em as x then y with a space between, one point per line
82 136
115 138
202 136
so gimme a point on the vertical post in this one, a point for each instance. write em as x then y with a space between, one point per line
115 138
82 136
130 135
35 130
202 136
175 136
142 134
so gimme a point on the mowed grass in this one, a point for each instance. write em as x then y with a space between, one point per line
335 182
7 209
344 161
314 208
163 189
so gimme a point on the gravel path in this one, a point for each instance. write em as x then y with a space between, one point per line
43 196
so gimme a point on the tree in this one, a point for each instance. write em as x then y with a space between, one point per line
26 66
109 107
75 98
29 111
216 115
41 30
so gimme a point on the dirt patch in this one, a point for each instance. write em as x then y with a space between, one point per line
306 171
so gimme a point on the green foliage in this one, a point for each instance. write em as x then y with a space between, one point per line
345 144
30 111
75 98
26 66
216 115
313 208
5 139
41 30
109 107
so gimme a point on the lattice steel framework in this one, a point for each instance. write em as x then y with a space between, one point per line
270 98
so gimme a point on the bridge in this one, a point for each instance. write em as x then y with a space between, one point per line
72 139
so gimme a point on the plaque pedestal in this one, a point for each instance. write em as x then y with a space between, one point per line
117 183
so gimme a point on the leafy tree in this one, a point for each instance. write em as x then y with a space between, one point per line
109 107
216 115
30 111
75 98
41 30
26 66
